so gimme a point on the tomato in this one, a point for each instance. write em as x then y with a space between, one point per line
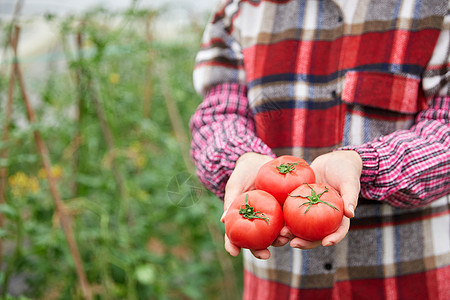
313 211
282 175
254 220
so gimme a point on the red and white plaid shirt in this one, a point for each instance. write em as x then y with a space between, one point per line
308 77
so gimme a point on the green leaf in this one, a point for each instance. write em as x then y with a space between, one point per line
146 274
3 233
8 210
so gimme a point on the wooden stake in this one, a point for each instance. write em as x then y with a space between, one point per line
59 204
4 152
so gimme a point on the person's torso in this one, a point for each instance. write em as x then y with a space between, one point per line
324 74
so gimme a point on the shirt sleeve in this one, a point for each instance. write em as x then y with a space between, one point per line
412 167
222 130
222 127
220 58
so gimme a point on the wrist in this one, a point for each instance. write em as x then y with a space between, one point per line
369 161
263 158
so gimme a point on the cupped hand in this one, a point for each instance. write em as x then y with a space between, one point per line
341 170
242 180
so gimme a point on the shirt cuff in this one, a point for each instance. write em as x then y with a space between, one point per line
370 160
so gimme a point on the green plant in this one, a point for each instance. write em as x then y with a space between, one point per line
107 108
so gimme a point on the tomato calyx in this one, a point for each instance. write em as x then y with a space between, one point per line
249 212
287 168
313 199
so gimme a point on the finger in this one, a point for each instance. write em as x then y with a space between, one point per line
350 194
222 218
231 248
338 235
283 238
280 241
230 195
304 244
234 250
285 232
261 254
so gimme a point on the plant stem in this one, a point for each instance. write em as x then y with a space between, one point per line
248 212
147 98
175 119
314 199
124 212
4 153
106 130
230 287
80 102
287 168
11 268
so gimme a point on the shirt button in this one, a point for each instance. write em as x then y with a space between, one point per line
334 94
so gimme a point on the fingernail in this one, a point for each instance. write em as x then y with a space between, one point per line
222 218
351 208
295 245
328 244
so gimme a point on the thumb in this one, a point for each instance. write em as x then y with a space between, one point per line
230 195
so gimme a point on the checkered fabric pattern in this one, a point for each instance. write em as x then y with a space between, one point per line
308 77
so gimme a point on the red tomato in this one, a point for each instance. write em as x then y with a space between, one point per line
313 211
254 220
282 175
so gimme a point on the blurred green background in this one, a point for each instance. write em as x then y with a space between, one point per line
113 94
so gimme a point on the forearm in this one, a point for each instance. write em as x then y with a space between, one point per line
410 167
222 130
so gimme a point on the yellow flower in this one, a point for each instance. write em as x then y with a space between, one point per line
18 179
142 195
135 154
114 78
136 147
140 161
56 172
21 184
33 185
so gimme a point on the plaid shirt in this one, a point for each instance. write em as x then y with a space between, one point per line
308 77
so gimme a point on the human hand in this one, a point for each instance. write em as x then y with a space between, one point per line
242 180
342 171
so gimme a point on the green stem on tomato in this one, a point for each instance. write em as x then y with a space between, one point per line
313 199
287 168
249 212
